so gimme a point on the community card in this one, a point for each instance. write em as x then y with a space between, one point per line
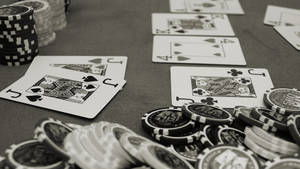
191 24
108 66
200 50
225 87
206 6
75 93
291 34
281 16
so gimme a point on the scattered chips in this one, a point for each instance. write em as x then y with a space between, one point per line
283 100
229 135
284 162
18 37
189 151
42 17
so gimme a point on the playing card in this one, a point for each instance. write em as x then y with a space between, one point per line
206 6
281 16
73 93
291 34
191 24
225 87
201 50
108 66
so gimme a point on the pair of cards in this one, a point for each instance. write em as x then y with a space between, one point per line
225 87
77 85
286 22
206 6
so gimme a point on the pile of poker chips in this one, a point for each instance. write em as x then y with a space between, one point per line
59 20
42 16
18 37
194 127
58 145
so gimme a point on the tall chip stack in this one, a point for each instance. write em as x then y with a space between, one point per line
18 37
42 17
59 19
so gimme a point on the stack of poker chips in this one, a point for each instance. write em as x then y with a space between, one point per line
42 16
100 145
59 20
18 37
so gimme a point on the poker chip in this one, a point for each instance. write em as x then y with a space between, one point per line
294 127
245 114
267 145
158 156
230 135
185 138
188 152
207 137
3 163
32 154
272 118
132 144
263 152
58 18
227 156
53 132
42 17
18 37
207 114
283 162
283 100
167 121
274 139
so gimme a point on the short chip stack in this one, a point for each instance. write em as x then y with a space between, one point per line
42 17
59 20
18 37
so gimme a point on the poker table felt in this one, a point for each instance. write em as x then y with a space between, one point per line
123 28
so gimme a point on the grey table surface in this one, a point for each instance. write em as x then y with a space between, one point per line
123 28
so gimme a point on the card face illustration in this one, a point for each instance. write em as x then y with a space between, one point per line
191 24
64 89
206 6
225 87
199 50
86 68
100 66
281 16
222 86
291 34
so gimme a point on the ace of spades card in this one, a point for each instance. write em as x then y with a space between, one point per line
191 24
206 6
225 87
100 66
73 93
201 50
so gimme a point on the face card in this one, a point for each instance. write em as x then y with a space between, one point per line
225 87
206 6
291 34
100 66
201 50
191 24
75 93
281 16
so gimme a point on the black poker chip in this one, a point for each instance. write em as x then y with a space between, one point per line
188 137
294 127
190 151
207 137
32 154
52 133
271 117
207 114
227 156
230 135
245 114
167 121
283 100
